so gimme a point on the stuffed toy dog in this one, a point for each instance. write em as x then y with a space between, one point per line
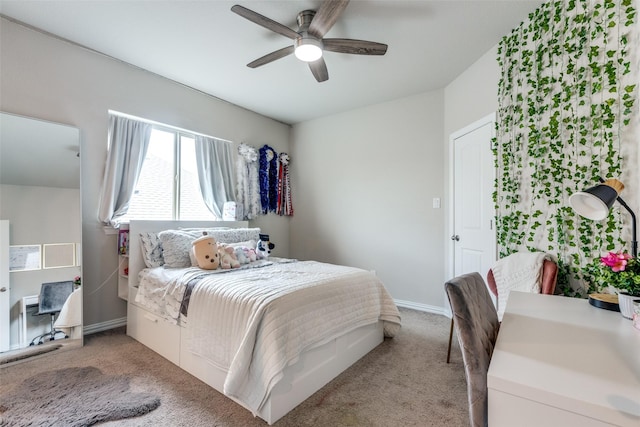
264 247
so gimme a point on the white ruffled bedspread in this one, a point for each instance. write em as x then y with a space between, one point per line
254 322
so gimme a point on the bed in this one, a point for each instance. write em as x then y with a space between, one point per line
267 334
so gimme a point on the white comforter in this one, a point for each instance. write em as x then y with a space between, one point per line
252 324
161 290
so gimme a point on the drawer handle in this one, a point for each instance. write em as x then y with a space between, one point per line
151 318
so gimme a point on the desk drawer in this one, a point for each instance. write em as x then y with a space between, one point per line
154 332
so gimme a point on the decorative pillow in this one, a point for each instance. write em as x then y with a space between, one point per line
151 249
176 247
200 229
226 234
235 235
246 244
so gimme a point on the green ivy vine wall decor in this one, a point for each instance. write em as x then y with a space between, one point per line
566 99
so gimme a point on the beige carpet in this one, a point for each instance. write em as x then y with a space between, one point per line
403 382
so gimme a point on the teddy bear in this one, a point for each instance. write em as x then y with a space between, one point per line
227 257
264 247
205 252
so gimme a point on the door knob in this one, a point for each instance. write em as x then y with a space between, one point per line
3 289
455 237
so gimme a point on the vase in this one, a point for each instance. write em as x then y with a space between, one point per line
626 304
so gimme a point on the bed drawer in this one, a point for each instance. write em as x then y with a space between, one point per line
154 332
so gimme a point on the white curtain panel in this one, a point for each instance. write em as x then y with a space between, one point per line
128 142
215 168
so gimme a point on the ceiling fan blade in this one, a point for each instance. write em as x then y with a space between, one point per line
319 70
265 22
357 47
326 16
270 57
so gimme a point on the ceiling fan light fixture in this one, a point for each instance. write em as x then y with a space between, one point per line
308 49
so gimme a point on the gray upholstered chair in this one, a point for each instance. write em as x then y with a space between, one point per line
548 286
476 325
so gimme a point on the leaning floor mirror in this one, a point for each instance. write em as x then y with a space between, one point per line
40 238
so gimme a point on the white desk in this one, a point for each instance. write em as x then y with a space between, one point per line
561 362
28 301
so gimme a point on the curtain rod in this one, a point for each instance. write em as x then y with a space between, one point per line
153 122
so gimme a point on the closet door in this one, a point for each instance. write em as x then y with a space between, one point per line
5 289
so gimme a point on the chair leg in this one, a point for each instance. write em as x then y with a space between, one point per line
51 335
450 338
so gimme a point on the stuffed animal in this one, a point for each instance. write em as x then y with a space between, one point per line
264 247
205 252
245 255
250 253
227 257
242 258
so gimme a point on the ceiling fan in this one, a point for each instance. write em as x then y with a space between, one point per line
309 43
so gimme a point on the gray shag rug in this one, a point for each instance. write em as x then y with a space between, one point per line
73 397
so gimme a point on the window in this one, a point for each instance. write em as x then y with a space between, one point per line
155 171
168 186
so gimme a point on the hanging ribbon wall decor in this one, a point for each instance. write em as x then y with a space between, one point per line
285 204
268 179
248 193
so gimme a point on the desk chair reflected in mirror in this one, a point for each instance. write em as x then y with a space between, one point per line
53 295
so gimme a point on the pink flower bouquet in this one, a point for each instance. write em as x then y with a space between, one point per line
616 269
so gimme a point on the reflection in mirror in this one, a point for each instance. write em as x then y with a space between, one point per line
40 216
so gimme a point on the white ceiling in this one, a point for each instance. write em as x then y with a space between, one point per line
204 45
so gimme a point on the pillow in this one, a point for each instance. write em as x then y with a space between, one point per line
176 247
235 235
151 249
246 244
200 229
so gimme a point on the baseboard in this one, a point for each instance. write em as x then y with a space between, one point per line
104 326
422 307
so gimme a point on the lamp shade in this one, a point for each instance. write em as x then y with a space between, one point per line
594 203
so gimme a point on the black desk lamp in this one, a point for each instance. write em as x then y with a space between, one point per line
594 203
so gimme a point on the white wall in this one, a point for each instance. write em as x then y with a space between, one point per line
363 185
365 181
47 78
473 94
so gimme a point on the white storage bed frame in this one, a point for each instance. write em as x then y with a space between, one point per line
312 371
